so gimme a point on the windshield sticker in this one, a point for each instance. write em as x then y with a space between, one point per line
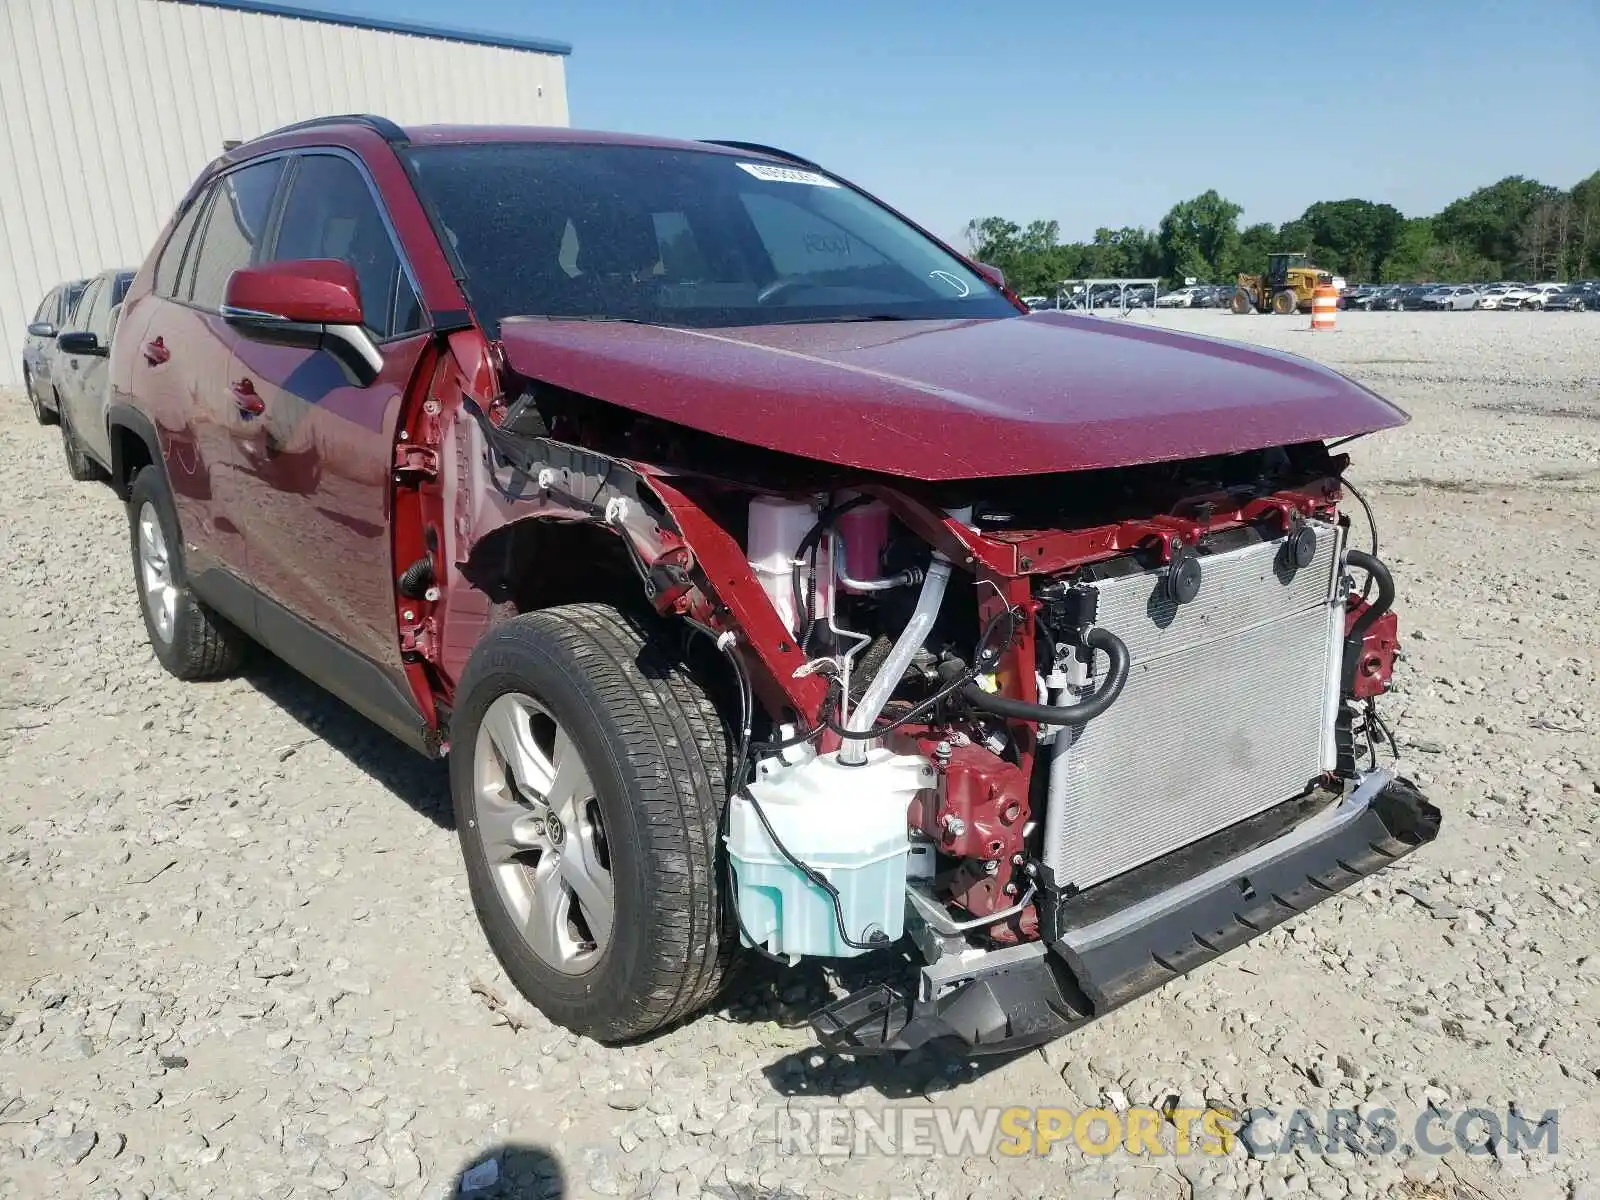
774 174
955 281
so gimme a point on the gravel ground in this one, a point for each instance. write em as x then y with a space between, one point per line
237 956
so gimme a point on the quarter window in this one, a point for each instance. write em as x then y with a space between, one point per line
166 280
330 213
234 228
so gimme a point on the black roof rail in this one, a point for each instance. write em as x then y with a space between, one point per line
758 148
382 126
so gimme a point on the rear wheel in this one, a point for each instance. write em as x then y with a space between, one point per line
79 465
1285 303
588 783
189 640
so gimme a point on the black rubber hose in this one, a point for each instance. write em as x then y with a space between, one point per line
1375 568
1070 714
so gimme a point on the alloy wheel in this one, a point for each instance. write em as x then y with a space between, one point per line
538 822
155 574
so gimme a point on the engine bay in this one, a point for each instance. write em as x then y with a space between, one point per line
967 715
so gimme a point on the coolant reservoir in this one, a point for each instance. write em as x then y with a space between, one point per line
849 824
776 528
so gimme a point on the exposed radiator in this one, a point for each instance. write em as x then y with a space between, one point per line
1225 712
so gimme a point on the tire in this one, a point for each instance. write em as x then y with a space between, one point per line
651 752
188 639
41 414
1284 304
1240 304
79 465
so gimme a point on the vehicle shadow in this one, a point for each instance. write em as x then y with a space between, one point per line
422 783
765 993
512 1171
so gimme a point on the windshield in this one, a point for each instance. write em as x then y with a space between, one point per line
681 237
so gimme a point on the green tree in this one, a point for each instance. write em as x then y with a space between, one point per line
1351 237
1516 226
1249 256
1488 225
1586 217
1413 250
1198 236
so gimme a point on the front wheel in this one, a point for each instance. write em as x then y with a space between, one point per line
41 414
1240 304
587 774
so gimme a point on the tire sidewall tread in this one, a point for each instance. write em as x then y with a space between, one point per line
653 746
203 645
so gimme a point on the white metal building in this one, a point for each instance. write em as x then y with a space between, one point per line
110 108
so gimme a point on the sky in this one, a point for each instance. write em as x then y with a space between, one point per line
1092 114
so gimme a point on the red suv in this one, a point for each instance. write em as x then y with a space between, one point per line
772 577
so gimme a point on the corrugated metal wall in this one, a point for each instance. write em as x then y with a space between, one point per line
110 108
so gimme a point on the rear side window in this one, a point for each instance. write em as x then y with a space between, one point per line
330 213
166 280
234 228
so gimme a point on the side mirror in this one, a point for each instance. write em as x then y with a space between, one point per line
993 274
79 343
313 303
42 329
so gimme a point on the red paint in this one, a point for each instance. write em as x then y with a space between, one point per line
1049 551
312 494
732 599
980 798
1379 645
318 463
323 291
948 400
866 532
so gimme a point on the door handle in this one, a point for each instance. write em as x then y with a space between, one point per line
156 352
247 400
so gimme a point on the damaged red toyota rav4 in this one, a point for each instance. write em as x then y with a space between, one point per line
772 578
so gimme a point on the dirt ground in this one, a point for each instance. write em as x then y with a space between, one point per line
237 956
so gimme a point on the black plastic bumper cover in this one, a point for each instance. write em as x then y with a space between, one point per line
1129 936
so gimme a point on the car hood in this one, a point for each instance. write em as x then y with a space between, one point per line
949 400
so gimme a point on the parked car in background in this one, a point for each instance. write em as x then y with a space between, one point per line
1572 299
82 382
1451 298
1540 293
39 347
540 447
1402 298
1184 297
1515 296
